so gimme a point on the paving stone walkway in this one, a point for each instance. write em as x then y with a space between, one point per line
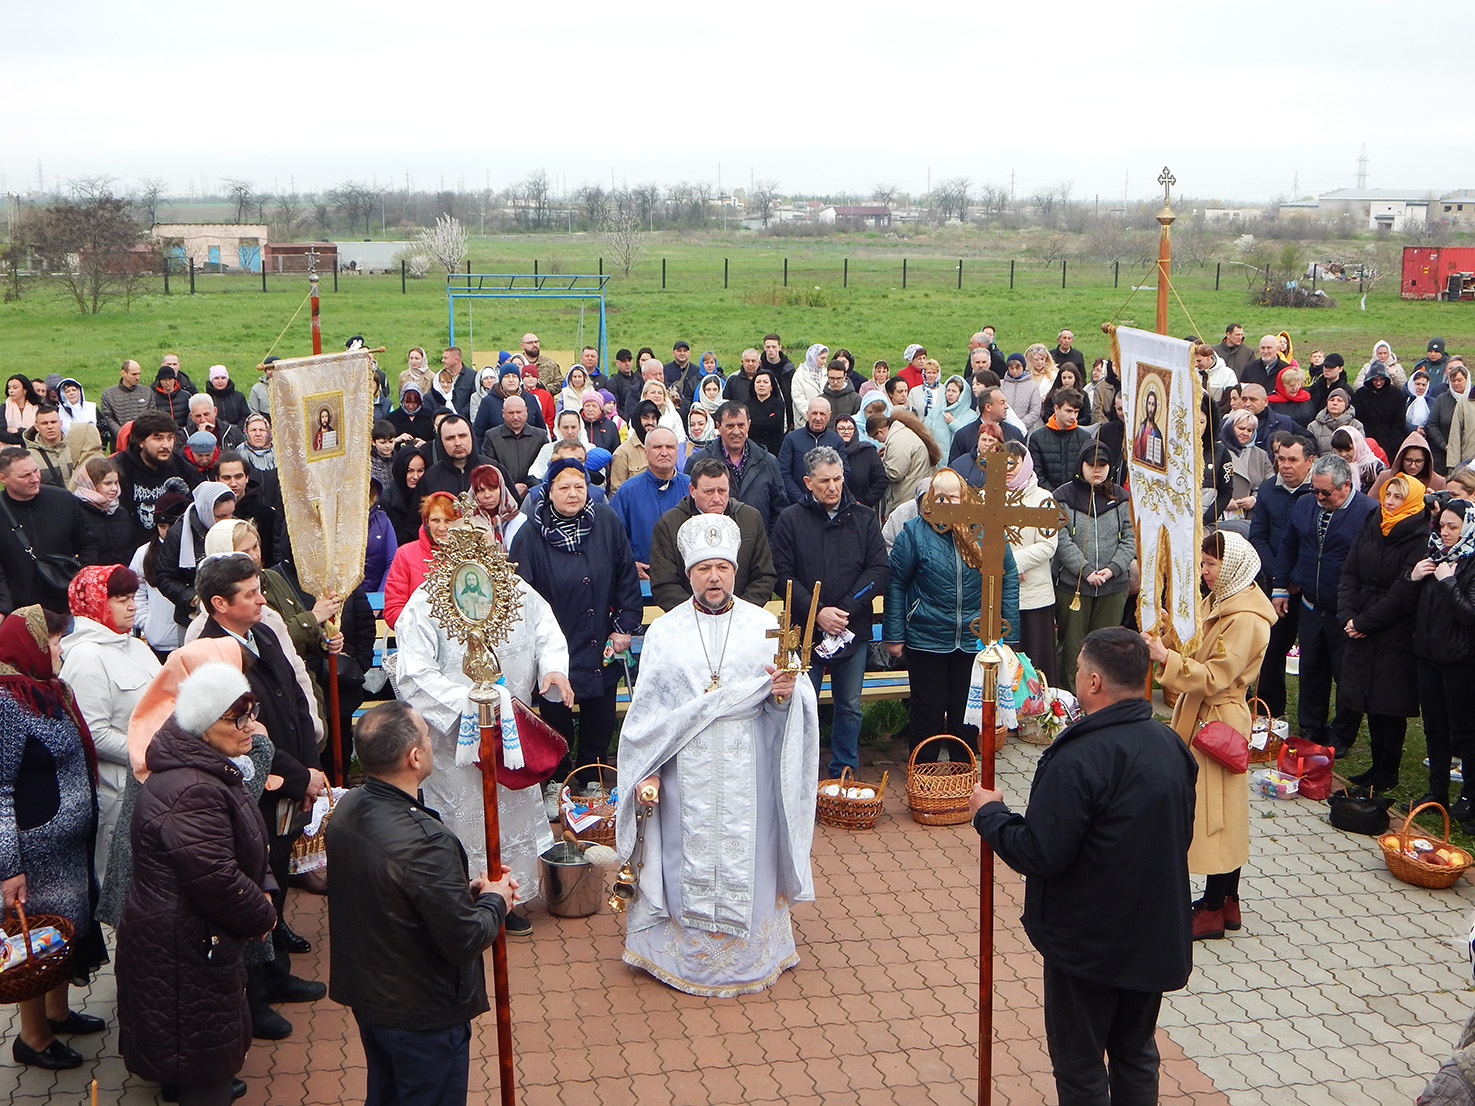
1345 986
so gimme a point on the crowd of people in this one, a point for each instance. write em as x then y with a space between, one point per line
159 647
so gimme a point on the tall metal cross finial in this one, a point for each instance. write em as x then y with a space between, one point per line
1167 180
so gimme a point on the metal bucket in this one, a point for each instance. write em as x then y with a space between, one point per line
569 884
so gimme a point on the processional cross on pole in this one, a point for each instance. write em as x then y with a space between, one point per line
994 515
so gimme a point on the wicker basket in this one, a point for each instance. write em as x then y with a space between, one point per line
1032 726
1259 712
310 852
36 974
938 791
845 813
1414 869
601 832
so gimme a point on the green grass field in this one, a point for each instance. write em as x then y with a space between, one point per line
232 322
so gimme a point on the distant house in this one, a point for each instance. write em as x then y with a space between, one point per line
1385 209
1231 214
213 247
1457 207
877 215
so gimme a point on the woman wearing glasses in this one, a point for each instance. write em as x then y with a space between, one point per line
200 892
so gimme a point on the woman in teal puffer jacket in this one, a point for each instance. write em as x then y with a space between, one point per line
932 601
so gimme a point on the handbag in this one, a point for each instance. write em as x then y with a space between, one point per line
54 571
1310 763
1356 810
1224 745
543 748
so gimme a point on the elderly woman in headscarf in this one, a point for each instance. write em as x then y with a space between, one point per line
184 546
1443 598
576 555
1246 465
107 669
48 821
1212 684
932 600
1378 676
809 381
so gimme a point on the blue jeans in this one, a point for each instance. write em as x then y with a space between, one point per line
846 678
409 1067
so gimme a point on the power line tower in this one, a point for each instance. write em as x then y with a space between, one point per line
1362 167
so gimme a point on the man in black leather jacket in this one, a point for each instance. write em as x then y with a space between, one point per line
408 930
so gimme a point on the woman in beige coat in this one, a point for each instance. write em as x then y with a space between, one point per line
909 453
1212 685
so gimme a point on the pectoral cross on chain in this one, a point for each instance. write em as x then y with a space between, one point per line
994 515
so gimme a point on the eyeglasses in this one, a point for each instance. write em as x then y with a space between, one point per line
1323 494
245 718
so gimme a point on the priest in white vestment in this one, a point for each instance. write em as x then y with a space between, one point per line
730 748
428 676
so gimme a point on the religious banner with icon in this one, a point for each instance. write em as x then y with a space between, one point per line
1161 397
322 409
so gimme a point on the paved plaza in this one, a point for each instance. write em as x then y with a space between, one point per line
1345 986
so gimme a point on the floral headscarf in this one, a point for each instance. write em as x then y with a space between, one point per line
1237 568
1464 545
26 672
90 590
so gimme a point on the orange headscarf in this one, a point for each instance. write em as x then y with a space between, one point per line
1413 503
157 702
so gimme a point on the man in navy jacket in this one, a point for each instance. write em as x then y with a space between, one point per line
1104 850
1308 569
1274 501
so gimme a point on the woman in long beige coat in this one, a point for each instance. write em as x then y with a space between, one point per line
1212 685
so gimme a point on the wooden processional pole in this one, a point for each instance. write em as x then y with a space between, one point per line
491 740
335 726
998 511
1165 219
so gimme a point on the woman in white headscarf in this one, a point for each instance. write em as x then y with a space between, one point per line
1383 352
1212 684
809 381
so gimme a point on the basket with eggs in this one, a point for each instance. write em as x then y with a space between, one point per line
846 803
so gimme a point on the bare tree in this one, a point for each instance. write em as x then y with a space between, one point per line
445 242
534 194
762 198
993 199
884 194
239 193
288 218
596 204
149 196
87 245
699 200
355 200
950 198
88 189
647 198
620 237
1045 202
1427 233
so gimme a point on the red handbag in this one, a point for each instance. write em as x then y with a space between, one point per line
542 748
1310 763
1224 745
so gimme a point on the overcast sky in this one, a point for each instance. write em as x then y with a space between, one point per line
1243 101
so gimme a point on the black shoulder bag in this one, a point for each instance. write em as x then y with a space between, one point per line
54 571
